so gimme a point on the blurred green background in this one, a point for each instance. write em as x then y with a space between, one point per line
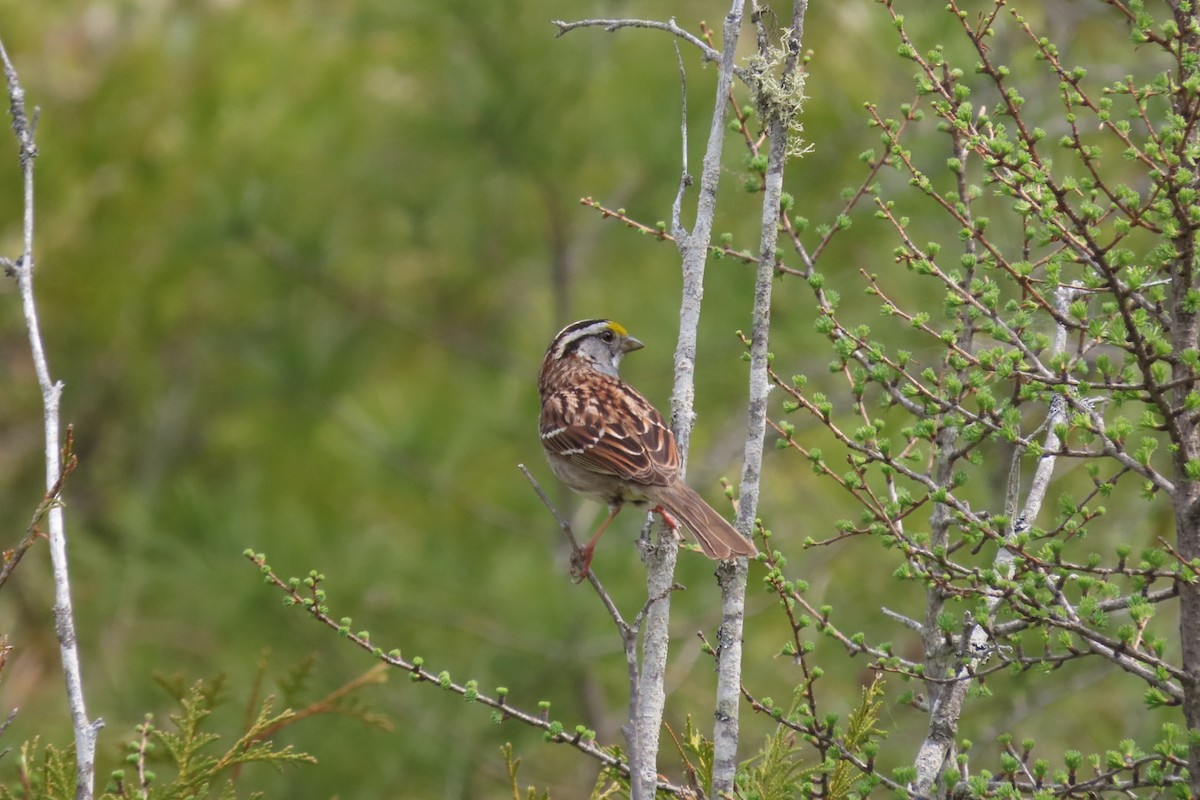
298 262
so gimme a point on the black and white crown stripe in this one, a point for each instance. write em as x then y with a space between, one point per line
577 331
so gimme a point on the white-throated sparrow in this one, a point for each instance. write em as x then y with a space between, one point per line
606 441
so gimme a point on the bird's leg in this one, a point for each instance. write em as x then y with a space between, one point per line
582 559
668 519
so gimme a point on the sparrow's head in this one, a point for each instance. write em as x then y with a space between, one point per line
598 343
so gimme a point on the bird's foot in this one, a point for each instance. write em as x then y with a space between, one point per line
581 561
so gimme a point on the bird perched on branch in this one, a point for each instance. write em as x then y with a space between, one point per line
605 441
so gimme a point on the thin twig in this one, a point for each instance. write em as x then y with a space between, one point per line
628 632
709 52
565 527
85 729
554 731
33 531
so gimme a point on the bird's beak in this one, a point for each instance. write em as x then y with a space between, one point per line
630 344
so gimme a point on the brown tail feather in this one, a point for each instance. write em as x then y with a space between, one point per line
717 538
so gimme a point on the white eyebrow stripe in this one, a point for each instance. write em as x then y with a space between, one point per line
572 334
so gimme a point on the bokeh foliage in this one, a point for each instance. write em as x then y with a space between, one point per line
298 262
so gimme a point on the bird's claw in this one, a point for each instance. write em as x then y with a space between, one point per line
581 560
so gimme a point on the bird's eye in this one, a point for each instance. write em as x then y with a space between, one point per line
607 337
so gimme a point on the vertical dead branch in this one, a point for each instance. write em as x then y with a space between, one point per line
945 708
64 621
1186 335
660 561
649 698
778 110
693 244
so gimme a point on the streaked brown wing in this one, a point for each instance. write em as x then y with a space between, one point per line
631 442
